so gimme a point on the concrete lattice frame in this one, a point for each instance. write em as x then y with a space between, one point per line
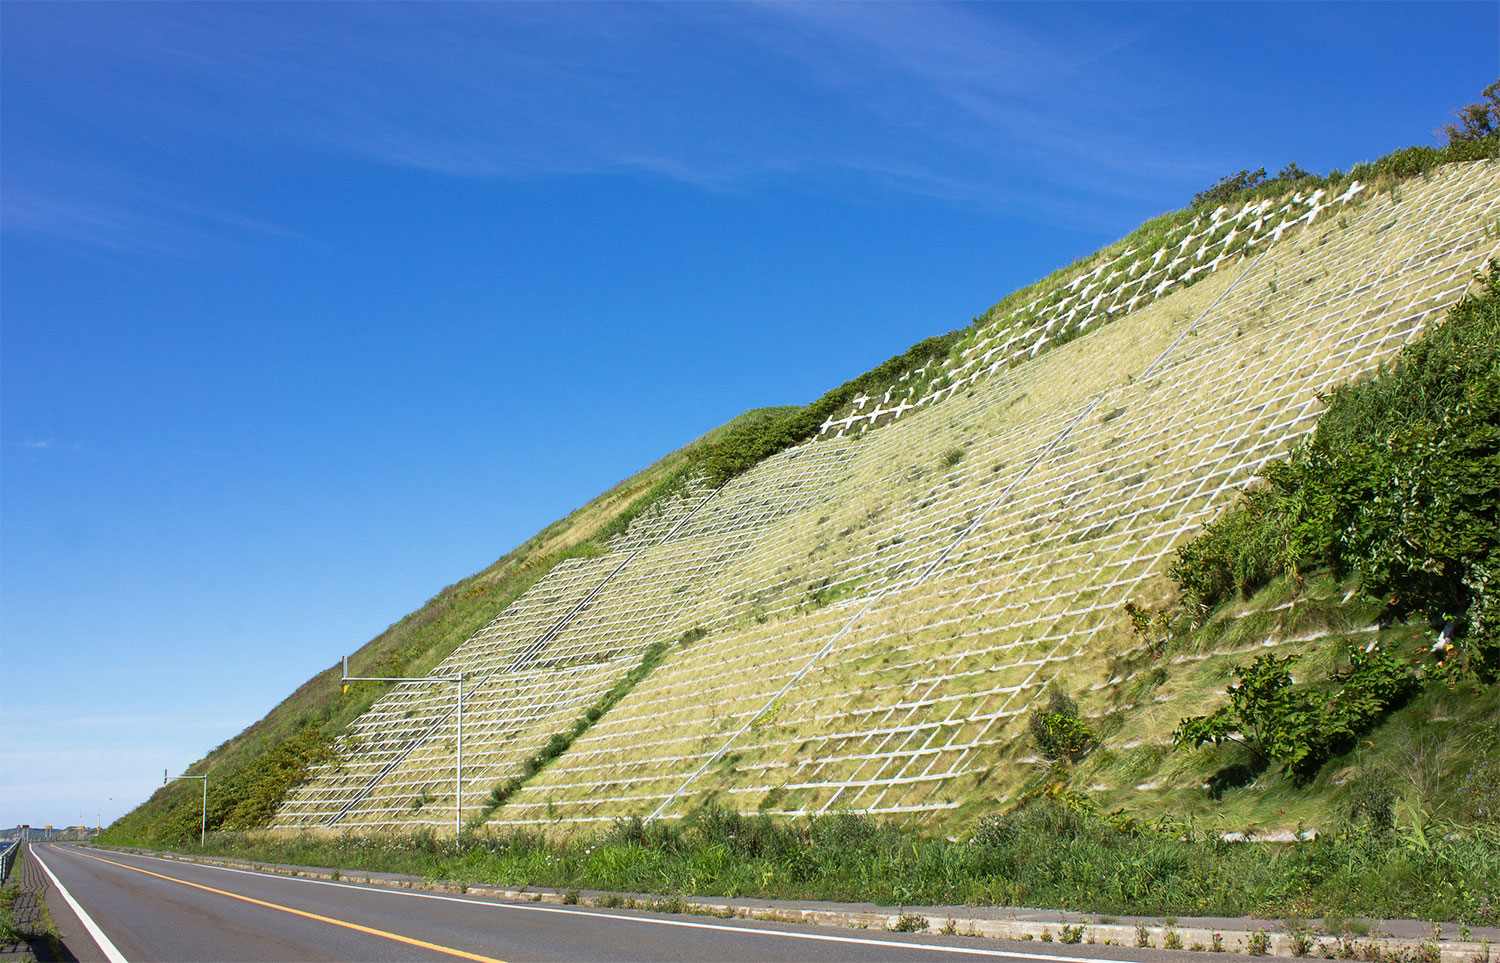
968 584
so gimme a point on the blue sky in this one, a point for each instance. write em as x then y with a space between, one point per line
308 311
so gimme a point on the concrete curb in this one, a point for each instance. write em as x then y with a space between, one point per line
1272 940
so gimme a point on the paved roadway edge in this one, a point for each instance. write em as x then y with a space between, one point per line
111 954
1277 942
526 906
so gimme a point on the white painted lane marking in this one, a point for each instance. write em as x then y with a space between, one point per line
331 920
105 946
689 924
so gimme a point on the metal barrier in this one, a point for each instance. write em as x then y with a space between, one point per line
8 858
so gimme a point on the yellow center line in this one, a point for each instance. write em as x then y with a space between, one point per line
296 912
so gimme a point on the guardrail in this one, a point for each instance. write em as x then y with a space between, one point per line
8 859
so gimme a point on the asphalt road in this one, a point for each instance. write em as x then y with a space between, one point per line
140 908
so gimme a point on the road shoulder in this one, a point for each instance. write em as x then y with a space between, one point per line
1387 939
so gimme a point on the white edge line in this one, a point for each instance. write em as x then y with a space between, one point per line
824 937
105 946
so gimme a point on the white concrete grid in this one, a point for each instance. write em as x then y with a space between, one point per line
932 719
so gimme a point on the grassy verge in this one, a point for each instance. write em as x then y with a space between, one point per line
35 927
10 933
1050 854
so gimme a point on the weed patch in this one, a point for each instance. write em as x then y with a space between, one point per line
1048 853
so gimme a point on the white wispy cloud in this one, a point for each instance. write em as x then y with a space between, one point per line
131 218
51 443
973 104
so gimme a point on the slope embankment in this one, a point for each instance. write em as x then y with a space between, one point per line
865 620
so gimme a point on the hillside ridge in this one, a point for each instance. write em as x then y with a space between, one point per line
862 617
774 593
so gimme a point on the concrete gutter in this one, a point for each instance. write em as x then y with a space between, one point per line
1387 941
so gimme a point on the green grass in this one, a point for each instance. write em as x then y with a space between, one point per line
41 930
10 933
562 741
1048 854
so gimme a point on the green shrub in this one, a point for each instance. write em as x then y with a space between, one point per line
995 831
1229 187
1058 731
1239 552
1399 485
1302 725
1372 806
1233 188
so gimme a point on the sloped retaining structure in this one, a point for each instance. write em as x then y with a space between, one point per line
860 622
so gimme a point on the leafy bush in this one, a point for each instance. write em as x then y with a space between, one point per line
1235 187
995 830
1058 731
1302 725
1372 805
1239 552
1229 187
1399 485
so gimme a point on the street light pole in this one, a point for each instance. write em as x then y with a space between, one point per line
203 829
458 765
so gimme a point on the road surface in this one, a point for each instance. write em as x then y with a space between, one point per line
141 908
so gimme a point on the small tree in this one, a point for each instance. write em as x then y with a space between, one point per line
1477 120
